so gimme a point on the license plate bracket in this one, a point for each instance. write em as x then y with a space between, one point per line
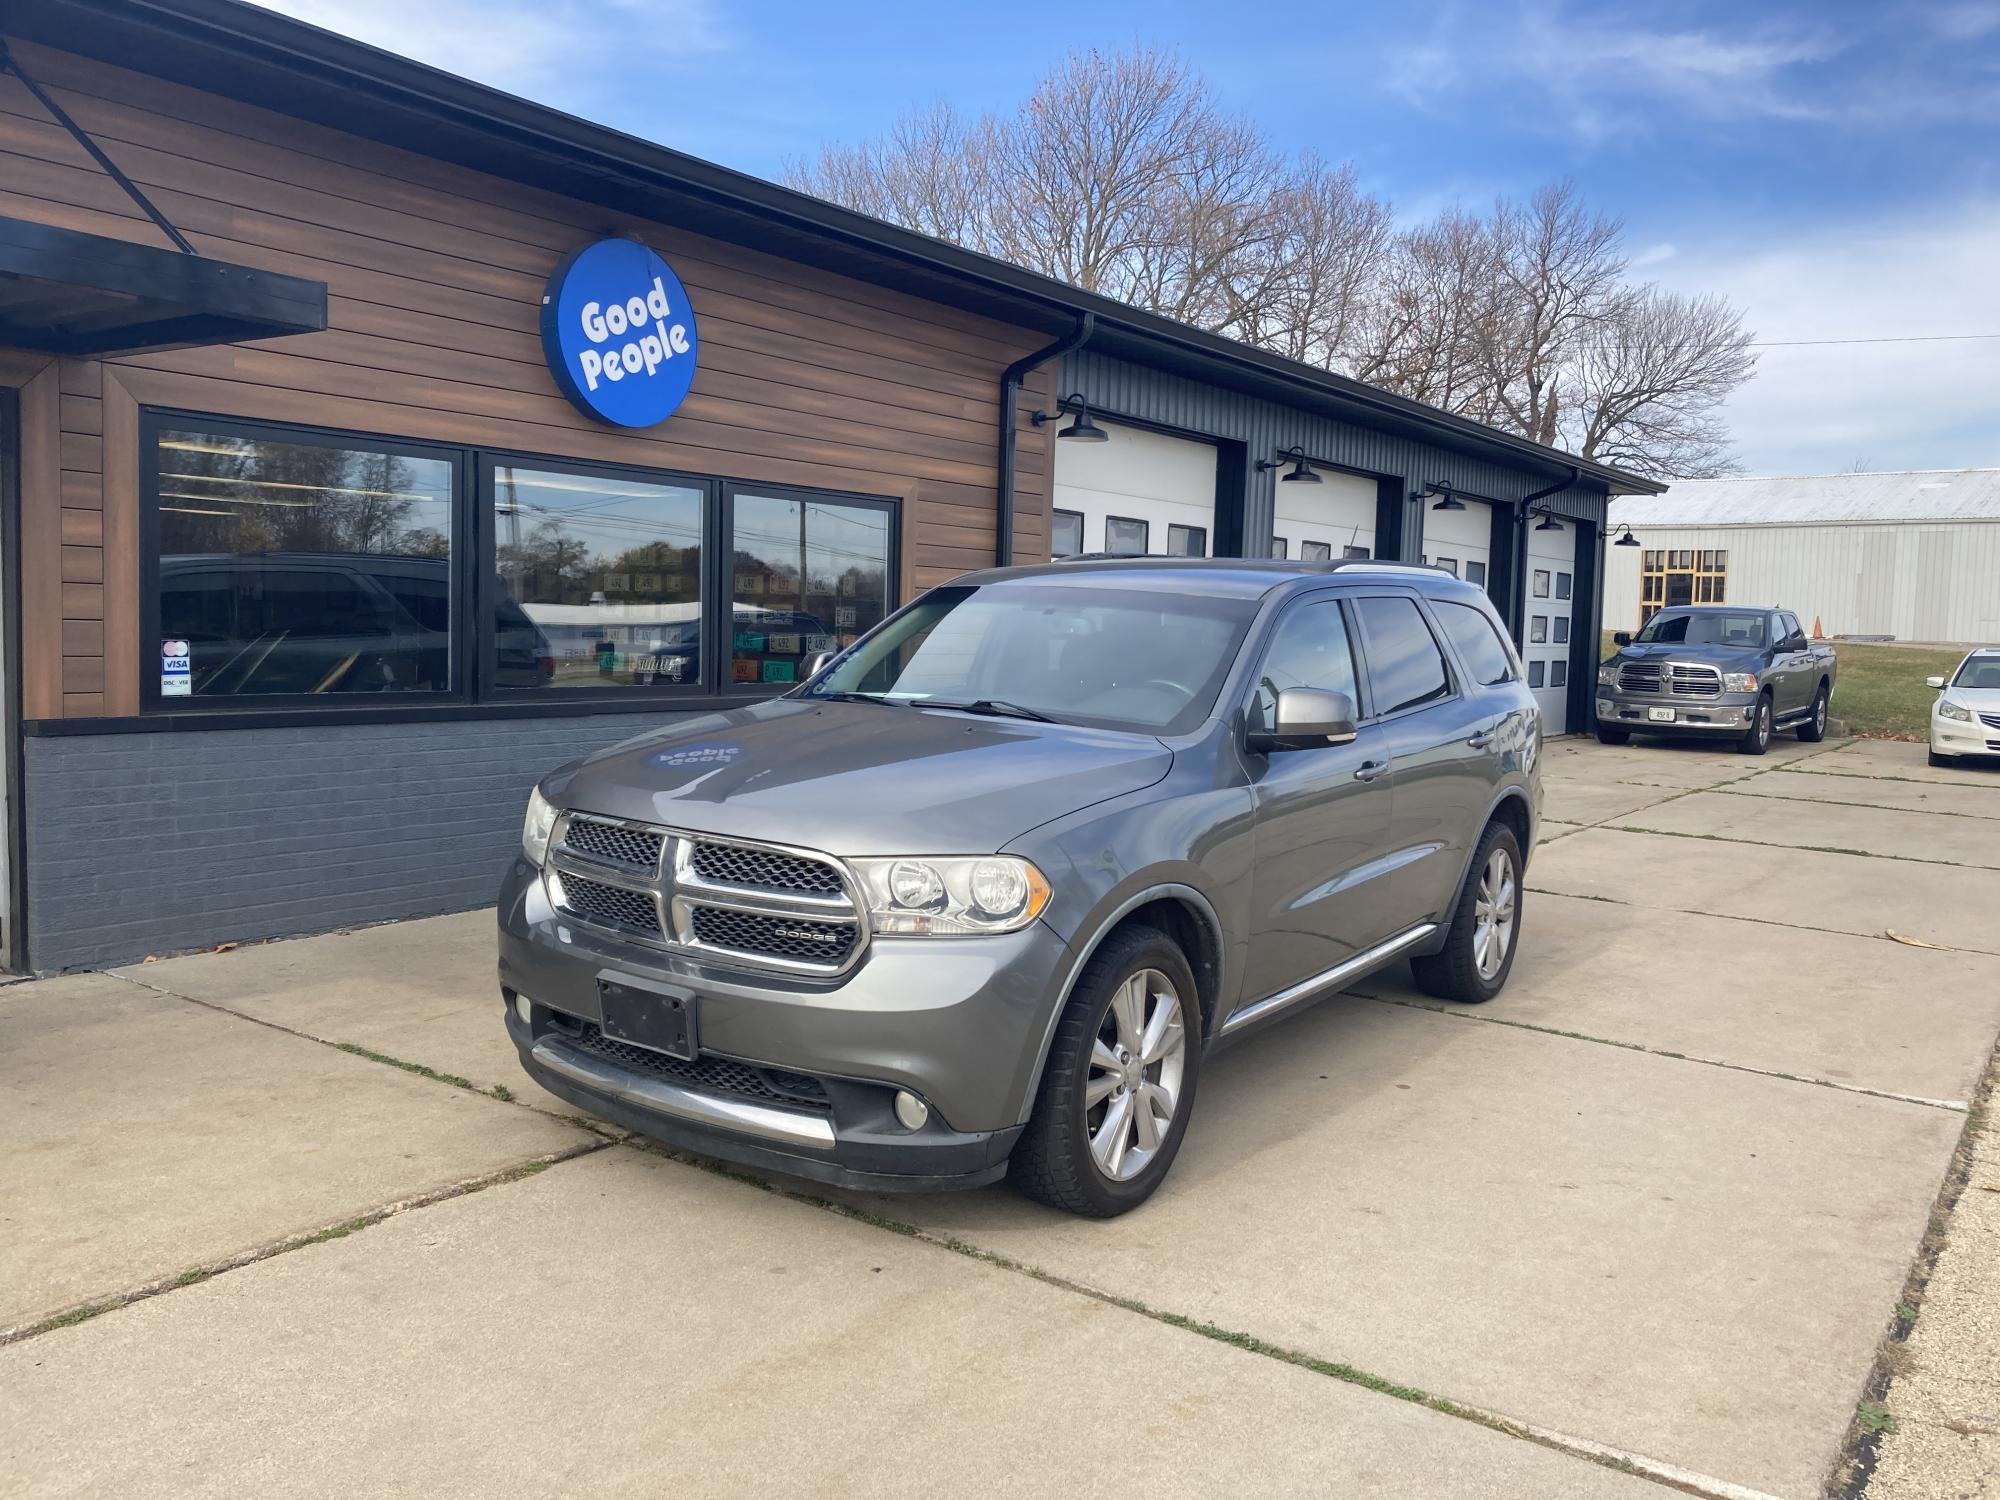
1660 715
646 1013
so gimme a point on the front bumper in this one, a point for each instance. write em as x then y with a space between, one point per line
1956 737
1730 714
958 1022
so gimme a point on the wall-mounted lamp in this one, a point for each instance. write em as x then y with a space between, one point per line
1548 520
1626 540
1083 430
1302 469
1442 488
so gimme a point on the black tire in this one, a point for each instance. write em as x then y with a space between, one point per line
1757 738
1814 728
1943 762
1052 1162
1453 972
1606 736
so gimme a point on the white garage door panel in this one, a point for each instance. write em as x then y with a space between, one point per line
1461 537
1550 618
1339 511
1141 476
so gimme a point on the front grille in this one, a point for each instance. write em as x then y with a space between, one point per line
1991 721
1640 677
708 1073
768 869
612 905
1694 682
797 939
600 838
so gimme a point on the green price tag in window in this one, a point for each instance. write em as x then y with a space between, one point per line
781 671
749 640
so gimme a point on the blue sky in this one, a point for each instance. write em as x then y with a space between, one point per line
1832 167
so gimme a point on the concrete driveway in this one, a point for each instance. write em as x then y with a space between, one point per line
289 1219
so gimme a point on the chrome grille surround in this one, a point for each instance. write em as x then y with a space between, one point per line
1991 721
814 923
1673 679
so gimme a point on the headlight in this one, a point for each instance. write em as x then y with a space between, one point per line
540 823
1950 710
1607 676
1739 682
943 897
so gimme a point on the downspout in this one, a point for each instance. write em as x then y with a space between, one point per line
1518 614
1010 409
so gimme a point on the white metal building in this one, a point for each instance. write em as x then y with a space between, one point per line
1913 555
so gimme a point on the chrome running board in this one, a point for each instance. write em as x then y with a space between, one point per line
1326 979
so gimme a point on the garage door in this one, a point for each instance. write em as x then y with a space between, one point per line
1461 540
1551 598
1136 492
1322 522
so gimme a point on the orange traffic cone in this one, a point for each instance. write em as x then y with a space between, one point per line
1818 634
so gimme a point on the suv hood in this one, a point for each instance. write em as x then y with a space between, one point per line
860 778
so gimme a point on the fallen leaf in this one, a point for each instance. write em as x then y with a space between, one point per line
1914 942
231 947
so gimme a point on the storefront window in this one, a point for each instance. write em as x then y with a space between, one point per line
600 580
807 575
300 568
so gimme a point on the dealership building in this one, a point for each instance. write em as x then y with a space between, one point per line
373 442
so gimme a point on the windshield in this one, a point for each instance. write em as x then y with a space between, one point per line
1978 672
1110 658
1717 629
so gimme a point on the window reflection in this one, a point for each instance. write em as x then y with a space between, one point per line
807 576
302 568
600 580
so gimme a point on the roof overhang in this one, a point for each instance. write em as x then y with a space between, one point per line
260 57
65 292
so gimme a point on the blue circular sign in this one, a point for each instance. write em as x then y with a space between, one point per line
619 334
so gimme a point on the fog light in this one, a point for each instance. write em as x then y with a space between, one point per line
911 1110
525 1009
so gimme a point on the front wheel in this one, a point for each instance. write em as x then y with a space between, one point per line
1814 728
1943 762
1478 951
1119 1086
1609 736
1757 738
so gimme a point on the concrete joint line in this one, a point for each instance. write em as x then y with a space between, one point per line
1957 1106
1928 812
82 1312
1731 916
1637 1464
1724 838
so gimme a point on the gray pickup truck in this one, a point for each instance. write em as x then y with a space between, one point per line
1725 671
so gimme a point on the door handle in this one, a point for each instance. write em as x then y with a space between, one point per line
1368 770
1481 740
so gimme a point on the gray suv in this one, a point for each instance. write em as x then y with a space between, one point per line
980 896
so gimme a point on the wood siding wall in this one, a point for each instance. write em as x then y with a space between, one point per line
434 276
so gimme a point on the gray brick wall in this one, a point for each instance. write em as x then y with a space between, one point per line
155 843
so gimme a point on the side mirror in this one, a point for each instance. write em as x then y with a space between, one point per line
818 662
1936 682
1621 638
1307 719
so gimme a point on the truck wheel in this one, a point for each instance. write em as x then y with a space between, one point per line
1757 738
1609 736
1478 952
1814 728
1119 1086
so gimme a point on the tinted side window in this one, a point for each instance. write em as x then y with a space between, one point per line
1310 649
1478 643
1405 667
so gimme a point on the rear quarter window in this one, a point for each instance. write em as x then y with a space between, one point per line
1479 645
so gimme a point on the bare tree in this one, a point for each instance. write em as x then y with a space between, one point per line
1427 327
1308 292
932 172
1646 391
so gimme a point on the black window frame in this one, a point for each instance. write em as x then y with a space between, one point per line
1145 535
476 589
1199 531
1326 554
153 704
1081 545
1454 682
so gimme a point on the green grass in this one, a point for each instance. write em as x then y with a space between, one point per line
1879 690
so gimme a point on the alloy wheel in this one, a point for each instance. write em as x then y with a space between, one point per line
1136 1066
1493 911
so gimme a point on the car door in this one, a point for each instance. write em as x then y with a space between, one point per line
1784 672
1440 739
1320 890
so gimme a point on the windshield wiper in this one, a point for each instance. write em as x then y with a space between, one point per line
853 698
998 708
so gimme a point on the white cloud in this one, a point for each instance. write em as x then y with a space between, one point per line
565 51
1817 408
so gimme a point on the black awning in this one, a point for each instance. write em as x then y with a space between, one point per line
65 292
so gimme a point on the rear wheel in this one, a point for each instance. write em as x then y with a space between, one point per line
1120 1081
1478 951
1757 738
1609 736
1814 728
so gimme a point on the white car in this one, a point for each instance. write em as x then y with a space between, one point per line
1965 720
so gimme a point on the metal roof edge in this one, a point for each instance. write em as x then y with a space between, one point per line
250 31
